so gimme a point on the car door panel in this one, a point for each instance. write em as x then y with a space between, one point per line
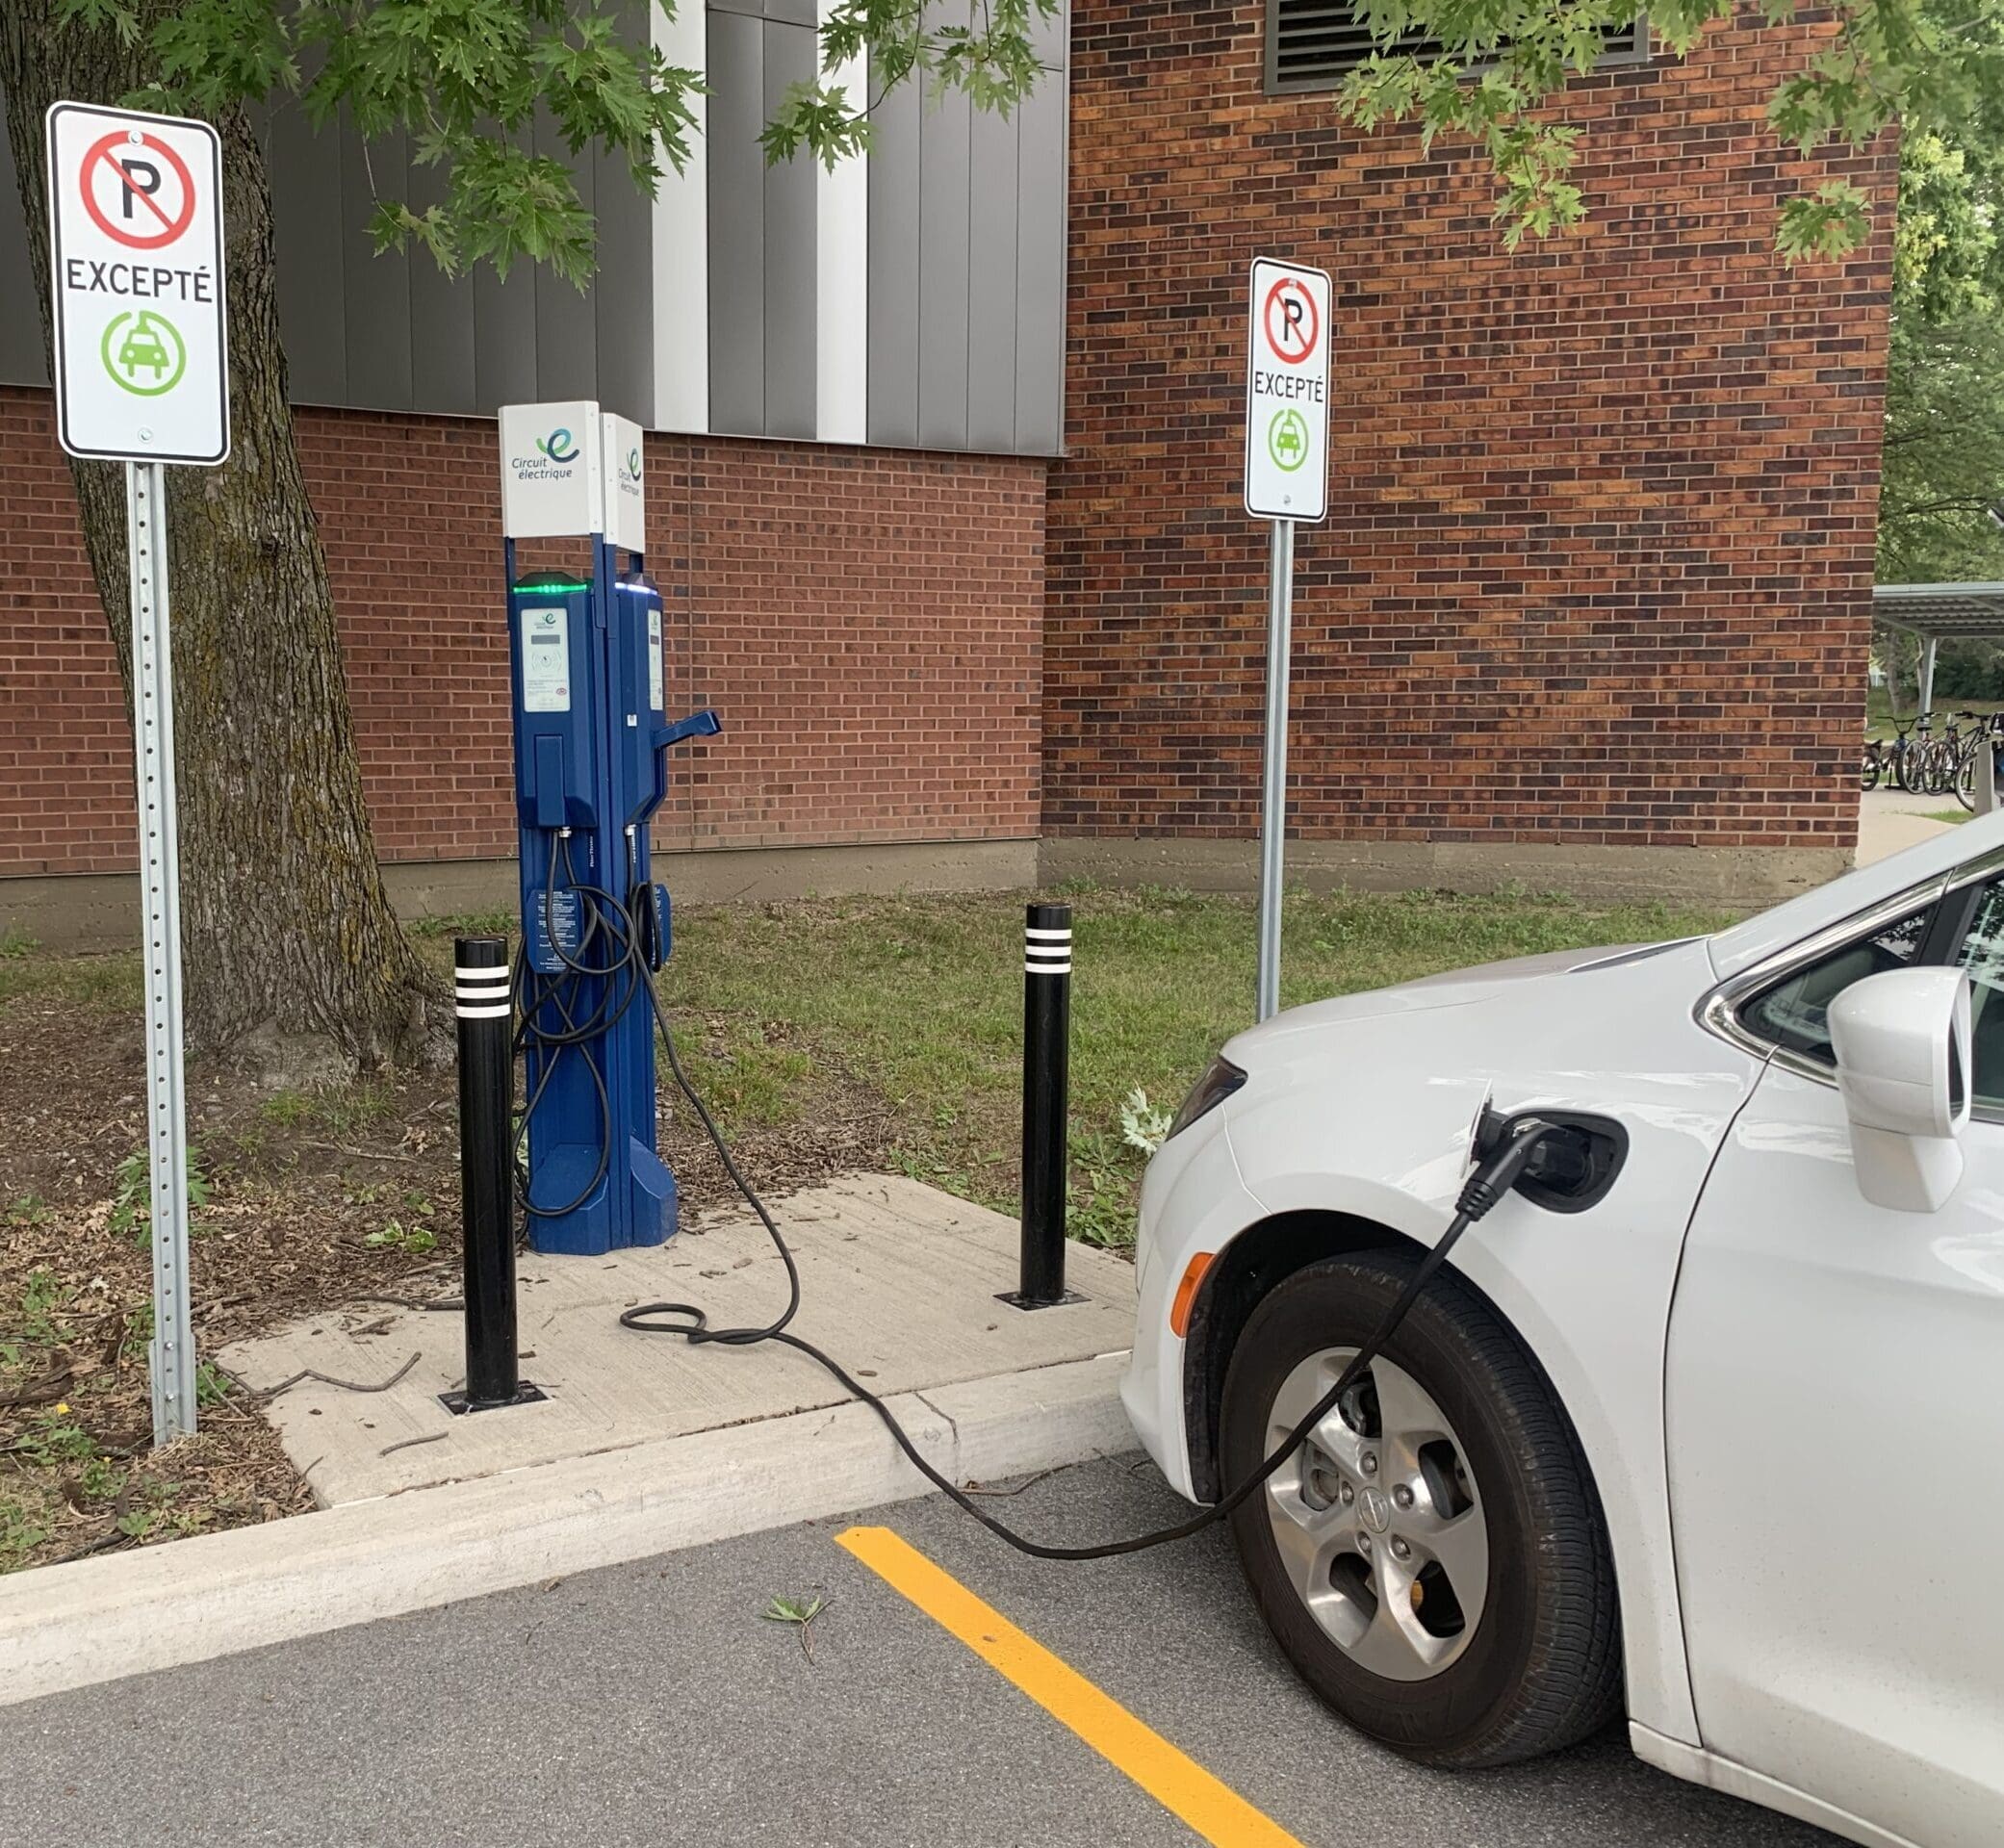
1834 1414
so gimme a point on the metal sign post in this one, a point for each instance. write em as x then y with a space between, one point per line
1286 479
160 877
1272 805
142 371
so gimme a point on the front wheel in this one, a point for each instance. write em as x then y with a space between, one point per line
1432 1559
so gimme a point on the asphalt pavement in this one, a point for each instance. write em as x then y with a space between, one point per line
653 1703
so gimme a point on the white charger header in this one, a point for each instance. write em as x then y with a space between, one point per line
568 470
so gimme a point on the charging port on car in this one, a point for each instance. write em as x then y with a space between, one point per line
1567 1173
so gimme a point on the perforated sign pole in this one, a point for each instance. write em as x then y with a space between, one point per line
142 368
160 875
1273 793
1287 480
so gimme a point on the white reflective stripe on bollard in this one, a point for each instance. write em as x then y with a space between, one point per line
1046 951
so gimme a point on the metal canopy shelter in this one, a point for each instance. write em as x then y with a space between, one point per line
1933 611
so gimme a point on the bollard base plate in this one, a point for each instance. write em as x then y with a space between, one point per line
1017 1300
457 1402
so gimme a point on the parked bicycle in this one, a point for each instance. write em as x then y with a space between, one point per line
1987 734
1925 762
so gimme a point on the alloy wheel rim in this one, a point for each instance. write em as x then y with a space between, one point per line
1378 1519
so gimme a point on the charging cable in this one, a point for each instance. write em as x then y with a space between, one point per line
1495 1174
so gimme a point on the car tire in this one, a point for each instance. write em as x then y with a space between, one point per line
1539 1667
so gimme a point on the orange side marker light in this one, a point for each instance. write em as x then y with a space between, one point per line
1186 1293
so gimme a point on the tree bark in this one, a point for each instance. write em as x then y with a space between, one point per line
286 922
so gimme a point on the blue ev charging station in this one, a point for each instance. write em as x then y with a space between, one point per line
591 743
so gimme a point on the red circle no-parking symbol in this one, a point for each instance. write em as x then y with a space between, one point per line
138 189
1290 321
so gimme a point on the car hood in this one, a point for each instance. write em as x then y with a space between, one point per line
1451 988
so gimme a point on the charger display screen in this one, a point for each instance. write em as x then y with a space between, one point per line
545 660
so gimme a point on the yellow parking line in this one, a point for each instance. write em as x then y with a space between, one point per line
1179 1784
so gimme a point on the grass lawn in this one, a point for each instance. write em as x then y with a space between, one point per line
921 998
848 1033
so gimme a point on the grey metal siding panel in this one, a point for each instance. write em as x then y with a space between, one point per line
893 307
790 280
567 343
22 361
966 306
445 374
311 253
1042 167
375 289
738 225
504 336
622 298
991 282
396 333
945 143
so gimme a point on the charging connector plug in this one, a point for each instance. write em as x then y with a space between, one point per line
1562 1159
1521 1143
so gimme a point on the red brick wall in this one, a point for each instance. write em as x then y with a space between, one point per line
866 621
65 744
1599 541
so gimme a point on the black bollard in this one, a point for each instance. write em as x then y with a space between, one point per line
1047 1088
486 1174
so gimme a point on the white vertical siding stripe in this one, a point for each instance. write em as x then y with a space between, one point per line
682 248
843 293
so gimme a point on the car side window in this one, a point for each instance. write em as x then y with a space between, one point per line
1982 954
1795 1012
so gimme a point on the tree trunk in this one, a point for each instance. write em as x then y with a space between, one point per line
285 919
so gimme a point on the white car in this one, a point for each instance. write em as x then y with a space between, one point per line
1724 1445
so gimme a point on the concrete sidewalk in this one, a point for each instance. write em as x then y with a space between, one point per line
1890 820
645 1445
898 1282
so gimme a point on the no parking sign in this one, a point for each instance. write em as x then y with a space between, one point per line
136 251
1287 393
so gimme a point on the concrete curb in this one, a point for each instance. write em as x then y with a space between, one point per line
98 1620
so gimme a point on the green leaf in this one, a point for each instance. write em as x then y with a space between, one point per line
1831 222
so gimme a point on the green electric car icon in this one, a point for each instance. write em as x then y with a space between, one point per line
143 346
1287 439
143 352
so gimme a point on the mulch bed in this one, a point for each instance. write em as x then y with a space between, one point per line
314 1201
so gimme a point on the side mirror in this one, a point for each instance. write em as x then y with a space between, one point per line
1903 1048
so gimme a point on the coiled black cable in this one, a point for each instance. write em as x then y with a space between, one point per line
1491 1178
